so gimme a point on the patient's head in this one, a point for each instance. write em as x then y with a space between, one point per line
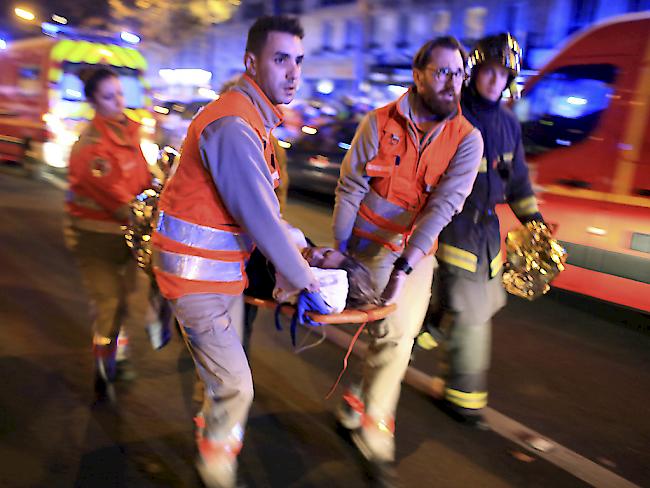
323 257
361 290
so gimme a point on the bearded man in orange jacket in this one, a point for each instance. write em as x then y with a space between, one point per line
411 165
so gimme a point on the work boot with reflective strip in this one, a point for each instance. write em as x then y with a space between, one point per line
125 371
375 440
104 351
217 460
351 409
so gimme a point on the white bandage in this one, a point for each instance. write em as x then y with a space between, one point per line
333 288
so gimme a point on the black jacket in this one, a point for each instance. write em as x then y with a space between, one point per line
473 236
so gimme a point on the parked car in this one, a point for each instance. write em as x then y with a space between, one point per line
174 118
314 159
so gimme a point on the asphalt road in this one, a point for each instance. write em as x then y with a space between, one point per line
575 370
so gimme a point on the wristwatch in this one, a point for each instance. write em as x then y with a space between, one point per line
401 264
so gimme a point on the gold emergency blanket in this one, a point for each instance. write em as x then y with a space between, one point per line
144 209
534 260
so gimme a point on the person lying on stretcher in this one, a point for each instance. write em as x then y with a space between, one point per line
345 283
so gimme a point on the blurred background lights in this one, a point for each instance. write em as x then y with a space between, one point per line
129 37
325 87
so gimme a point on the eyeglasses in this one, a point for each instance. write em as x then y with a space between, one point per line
443 74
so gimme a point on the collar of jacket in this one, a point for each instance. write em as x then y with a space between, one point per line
476 103
271 115
125 133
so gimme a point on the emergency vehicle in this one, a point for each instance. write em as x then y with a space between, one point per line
587 137
42 105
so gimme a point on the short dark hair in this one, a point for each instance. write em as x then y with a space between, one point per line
259 31
423 56
92 77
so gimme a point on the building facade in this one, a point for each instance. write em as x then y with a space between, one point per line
349 42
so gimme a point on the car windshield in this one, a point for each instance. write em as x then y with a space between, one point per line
564 106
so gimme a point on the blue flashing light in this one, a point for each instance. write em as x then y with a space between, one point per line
3 44
50 29
344 145
129 37
576 101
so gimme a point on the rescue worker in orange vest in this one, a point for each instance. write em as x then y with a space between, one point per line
468 289
216 206
411 165
107 170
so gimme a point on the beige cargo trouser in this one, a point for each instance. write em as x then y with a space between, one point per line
117 287
211 324
389 353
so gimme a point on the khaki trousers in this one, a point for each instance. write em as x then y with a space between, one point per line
390 349
211 324
118 288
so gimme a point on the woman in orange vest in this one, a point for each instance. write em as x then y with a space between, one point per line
107 170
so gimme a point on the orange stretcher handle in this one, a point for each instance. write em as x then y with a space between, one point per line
345 317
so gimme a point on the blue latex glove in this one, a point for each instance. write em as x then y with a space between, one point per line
311 301
308 301
342 245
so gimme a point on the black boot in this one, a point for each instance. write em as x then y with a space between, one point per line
105 372
475 420
382 474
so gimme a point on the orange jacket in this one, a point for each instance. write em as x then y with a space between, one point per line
198 246
107 170
403 176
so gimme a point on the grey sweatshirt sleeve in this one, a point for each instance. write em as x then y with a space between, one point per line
353 184
233 154
448 197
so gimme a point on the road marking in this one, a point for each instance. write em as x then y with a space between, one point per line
562 457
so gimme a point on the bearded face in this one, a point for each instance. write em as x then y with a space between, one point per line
439 83
439 102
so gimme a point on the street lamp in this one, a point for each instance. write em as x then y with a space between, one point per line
24 14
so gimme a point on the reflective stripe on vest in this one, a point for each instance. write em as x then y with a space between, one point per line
200 236
196 267
457 257
383 221
525 207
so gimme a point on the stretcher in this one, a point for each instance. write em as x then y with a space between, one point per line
361 317
345 317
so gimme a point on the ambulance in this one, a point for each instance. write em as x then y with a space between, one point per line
42 105
585 123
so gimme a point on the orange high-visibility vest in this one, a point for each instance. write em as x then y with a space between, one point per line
402 177
197 246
